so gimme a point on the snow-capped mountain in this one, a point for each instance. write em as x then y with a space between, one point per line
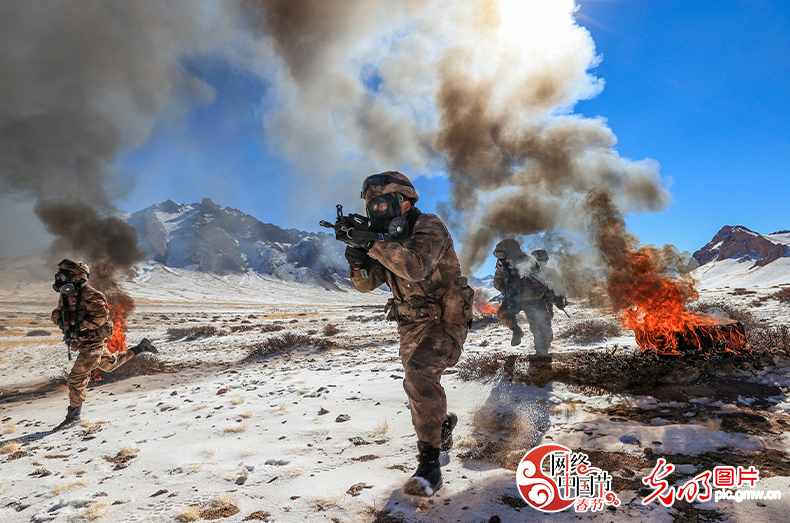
744 244
221 240
740 257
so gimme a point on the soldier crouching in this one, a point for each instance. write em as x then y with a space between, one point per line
431 303
83 312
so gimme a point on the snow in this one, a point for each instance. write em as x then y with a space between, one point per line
732 273
254 431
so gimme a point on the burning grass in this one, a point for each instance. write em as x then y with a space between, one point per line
193 333
286 343
589 331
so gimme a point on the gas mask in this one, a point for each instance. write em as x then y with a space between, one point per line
66 283
386 216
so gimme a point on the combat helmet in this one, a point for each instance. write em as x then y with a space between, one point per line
508 248
541 255
386 183
80 269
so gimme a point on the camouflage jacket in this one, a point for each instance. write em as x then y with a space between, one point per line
527 284
94 315
423 273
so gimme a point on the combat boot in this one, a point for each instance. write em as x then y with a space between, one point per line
144 346
428 477
72 417
447 431
517 334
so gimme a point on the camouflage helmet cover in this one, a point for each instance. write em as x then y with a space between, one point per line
508 248
541 255
385 183
76 267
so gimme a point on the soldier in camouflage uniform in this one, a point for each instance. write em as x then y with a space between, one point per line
431 303
524 287
87 311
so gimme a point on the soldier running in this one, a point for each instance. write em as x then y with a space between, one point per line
524 287
431 303
84 311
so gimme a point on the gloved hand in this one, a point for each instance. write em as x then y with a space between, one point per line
356 256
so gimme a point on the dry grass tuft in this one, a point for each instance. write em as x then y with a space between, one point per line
127 451
380 429
247 415
271 328
11 446
238 427
188 514
588 331
141 365
238 400
8 428
330 329
222 506
251 451
481 367
193 333
193 467
783 295
95 511
57 491
210 453
710 423
286 343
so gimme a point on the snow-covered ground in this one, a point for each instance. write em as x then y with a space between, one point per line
266 437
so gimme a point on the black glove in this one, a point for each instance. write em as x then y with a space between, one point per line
356 256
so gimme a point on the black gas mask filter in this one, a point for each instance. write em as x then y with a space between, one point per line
386 216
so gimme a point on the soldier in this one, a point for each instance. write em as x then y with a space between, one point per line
84 311
431 303
524 287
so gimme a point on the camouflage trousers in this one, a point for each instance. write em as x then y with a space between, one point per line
93 354
539 314
426 350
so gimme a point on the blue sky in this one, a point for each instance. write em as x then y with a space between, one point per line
701 87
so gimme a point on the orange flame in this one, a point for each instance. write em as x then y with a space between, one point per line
483 307
119 313
650 296
121 306
652 304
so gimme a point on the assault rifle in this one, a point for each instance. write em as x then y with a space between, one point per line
506 274
353 230
560 303
69 327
